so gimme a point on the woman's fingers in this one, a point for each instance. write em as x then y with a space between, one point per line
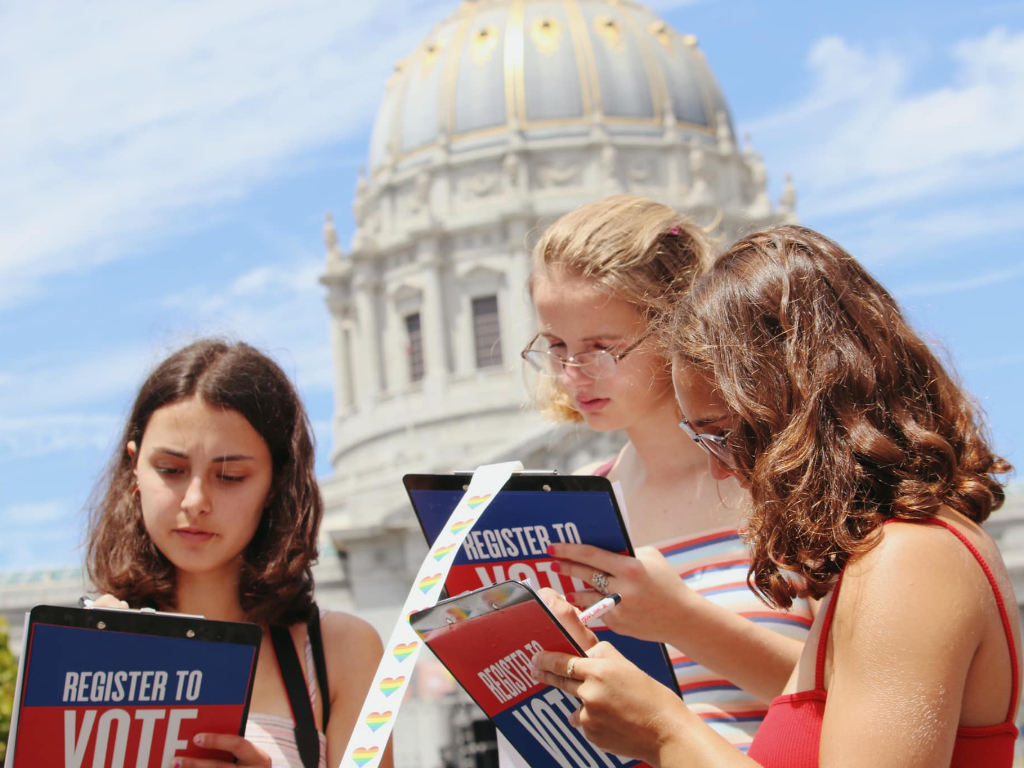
245 752
201 762
590 558
583 600
569 618
552 668
109 601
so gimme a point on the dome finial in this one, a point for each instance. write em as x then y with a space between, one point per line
787 200
725 143
331 237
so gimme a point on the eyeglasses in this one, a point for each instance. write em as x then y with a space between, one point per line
593 365
716 445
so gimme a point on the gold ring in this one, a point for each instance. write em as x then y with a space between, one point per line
571 668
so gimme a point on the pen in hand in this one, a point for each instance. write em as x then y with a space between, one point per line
600 608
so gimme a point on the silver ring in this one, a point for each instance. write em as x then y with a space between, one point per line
600 582
571 668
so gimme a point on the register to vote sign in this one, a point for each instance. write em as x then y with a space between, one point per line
101 698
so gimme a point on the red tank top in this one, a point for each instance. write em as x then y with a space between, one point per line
790 735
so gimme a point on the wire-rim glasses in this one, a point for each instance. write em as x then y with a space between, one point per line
593 364
716 445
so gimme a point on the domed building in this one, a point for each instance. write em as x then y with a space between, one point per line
509 114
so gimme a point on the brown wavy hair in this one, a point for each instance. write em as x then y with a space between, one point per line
632 247
846 418
276 584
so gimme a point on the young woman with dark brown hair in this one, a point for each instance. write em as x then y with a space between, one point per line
870 474
211 507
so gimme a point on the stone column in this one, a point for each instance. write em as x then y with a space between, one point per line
342 355
368 371
435 356
516 311
462 337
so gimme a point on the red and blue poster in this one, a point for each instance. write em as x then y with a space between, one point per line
98 697
510 540
490 656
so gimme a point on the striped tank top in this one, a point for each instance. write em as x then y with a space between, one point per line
275 735
714 564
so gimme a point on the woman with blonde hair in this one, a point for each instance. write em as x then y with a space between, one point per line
870 474
603 277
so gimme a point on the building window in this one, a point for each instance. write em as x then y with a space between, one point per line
486 331
414 335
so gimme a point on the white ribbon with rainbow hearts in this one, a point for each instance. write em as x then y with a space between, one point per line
377 717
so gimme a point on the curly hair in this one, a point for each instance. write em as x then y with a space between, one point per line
846 418
276 584
632 247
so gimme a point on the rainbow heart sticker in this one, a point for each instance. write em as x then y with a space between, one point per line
376 719
475 501
363 755
403 651
391 684
440 552
461 526
427 583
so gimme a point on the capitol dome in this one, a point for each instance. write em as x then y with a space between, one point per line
508 115
547 68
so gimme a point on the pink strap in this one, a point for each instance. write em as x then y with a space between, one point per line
604 469
819 670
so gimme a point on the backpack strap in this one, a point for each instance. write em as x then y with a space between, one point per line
316 641
306 737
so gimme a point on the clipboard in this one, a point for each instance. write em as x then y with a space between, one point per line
509 540
132 685
486 639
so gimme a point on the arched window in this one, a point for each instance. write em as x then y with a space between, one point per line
414 348
486 331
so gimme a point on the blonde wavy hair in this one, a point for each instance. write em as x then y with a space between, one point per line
631 247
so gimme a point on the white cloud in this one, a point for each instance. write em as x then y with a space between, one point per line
667 5
1008 360
37 511
864 139
894 234
43 434
38 534
36 384
277 307
124 115
983 280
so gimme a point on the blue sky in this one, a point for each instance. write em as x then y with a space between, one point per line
165 169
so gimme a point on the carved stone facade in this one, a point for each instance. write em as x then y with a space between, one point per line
508 115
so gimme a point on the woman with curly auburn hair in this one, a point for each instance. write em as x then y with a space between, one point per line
603 279
870 474
211 507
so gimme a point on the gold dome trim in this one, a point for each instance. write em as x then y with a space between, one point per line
609 29
483 43
546 34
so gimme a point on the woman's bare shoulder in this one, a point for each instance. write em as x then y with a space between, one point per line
916 570
340 628
351 645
